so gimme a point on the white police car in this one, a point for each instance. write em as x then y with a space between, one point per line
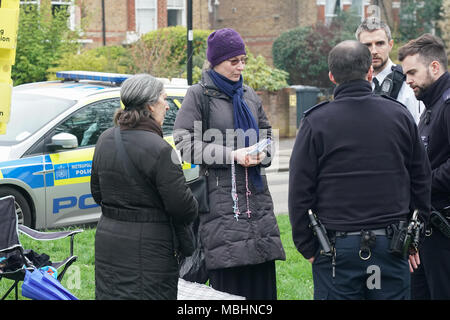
46 153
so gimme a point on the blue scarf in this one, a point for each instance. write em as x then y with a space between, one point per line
243 117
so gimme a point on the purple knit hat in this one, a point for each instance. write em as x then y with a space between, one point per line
224 44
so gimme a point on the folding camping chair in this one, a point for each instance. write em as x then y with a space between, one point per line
10 245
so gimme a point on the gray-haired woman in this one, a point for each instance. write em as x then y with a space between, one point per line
134 249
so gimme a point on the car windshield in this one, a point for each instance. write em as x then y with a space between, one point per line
29 113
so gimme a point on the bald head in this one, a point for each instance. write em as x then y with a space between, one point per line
349 60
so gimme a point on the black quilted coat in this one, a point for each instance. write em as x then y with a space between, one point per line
229 242
135 260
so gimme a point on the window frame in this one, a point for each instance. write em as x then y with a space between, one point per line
70 9
138 9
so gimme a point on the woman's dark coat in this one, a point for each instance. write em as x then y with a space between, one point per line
135 260
228 242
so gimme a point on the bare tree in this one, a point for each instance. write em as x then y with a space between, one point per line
156 57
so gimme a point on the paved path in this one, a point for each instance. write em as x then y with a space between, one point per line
278 176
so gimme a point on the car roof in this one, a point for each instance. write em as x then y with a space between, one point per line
80 89
66 89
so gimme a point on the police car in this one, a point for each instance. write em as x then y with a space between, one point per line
46 153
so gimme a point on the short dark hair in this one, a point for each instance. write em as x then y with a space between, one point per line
349 60
371 24
428 47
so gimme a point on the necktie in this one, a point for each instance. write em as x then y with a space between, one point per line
377 89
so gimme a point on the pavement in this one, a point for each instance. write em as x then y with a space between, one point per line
280 163
278 175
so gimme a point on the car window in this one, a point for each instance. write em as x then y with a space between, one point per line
171 114
29 113
89 122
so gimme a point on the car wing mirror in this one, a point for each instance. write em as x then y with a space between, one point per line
63 141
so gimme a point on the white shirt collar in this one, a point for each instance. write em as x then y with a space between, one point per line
387 69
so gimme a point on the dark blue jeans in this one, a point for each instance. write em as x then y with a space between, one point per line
381 277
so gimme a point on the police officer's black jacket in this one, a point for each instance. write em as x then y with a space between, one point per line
434 129
358 163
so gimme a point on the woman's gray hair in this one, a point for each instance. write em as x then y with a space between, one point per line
206 65
136 94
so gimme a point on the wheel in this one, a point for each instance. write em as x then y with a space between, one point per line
22 207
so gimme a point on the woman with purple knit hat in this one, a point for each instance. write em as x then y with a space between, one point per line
239 234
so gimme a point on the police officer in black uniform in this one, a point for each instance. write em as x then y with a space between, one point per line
358 164
424 62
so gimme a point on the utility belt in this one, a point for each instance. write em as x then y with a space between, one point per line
396 232
404 238
367 239
377 232
440 220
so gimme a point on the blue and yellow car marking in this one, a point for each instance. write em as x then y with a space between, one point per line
177 103
28 170
72 167
185 165
59 169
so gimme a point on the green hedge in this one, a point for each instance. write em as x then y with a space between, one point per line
114 59
303 52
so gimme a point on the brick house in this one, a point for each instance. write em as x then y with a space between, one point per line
115 22
260 22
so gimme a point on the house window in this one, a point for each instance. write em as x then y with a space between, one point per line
67 5
145 16
175 12
358 8
61 5
332 8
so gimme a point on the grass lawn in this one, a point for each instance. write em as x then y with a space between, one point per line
294 278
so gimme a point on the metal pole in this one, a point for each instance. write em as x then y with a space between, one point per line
190 38
103 23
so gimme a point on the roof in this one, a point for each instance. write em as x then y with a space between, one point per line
65 90
76 90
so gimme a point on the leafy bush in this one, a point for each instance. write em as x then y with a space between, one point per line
416 20
40 42
176 37
156 57
303 52
163 52
106 59
260 76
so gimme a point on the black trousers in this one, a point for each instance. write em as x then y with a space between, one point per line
383 276
432 279
254 282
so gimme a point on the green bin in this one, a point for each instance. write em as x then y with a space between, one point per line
306 98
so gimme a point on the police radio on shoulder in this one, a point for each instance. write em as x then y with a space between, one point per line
260 147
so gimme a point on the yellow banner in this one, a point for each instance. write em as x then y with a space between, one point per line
9 22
